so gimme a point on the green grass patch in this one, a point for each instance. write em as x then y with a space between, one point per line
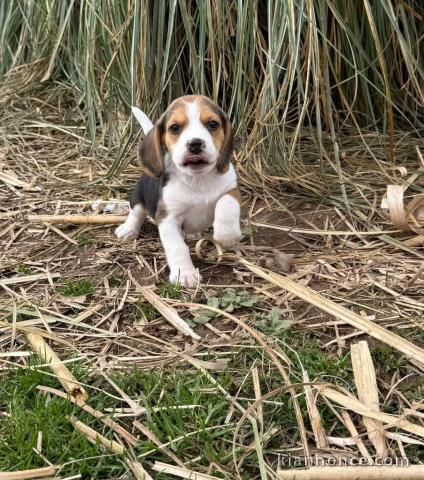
23 269
76 288
145 311
170 290
184 408
29 411
181 407
84 240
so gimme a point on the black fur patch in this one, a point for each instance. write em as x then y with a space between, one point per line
148 192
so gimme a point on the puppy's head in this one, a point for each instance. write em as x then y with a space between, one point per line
196 134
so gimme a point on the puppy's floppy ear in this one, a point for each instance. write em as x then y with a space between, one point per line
227 145
150 152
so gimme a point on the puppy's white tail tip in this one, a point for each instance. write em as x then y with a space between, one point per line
142 119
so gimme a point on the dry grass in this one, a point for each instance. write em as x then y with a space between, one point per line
326 97
73 285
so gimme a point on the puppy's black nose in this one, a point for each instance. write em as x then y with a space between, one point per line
195 145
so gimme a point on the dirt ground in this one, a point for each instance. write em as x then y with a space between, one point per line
79 285
52 172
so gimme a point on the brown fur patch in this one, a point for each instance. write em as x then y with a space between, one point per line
161 212
227 141
235 193
149 151
177 114
207 114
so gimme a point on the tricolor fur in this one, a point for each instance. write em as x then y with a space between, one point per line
188 183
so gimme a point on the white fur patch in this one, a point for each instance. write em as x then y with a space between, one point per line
192 199
177 254
188 278
131 227
226 225
193 204
142 119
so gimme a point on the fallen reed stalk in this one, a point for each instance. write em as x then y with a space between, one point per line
168 312
115 447
94 436
28 474
366 386
410 472
79 219
410 350
64 376
352 403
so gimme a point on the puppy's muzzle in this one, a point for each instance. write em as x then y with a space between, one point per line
194 161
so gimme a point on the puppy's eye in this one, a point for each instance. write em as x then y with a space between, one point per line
213 125
175 128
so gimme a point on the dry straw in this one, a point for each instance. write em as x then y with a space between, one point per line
29 474
326 98
410 350
411 472
48 356
276 67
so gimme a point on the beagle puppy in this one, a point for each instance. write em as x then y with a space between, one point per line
188 183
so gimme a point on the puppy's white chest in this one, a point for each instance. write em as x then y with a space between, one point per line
198 219
192 201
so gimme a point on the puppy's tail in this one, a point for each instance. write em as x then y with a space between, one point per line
142 119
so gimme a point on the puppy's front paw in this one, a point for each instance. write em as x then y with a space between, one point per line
187 277
227 236
127 231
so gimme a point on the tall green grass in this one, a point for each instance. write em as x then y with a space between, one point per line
276 66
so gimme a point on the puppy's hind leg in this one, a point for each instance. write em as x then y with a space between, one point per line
131 227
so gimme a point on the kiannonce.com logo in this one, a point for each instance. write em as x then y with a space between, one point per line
292 461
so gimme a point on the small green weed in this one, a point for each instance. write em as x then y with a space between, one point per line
272 323
319 362
230 301
145 310
386 358
170 290
76 288
84 240
24 269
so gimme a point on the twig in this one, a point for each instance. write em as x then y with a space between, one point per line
366 385
78 219
29 278
168 312
87 313
411 472
28 474
65 377
115 447
91 434
355 436
314 415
